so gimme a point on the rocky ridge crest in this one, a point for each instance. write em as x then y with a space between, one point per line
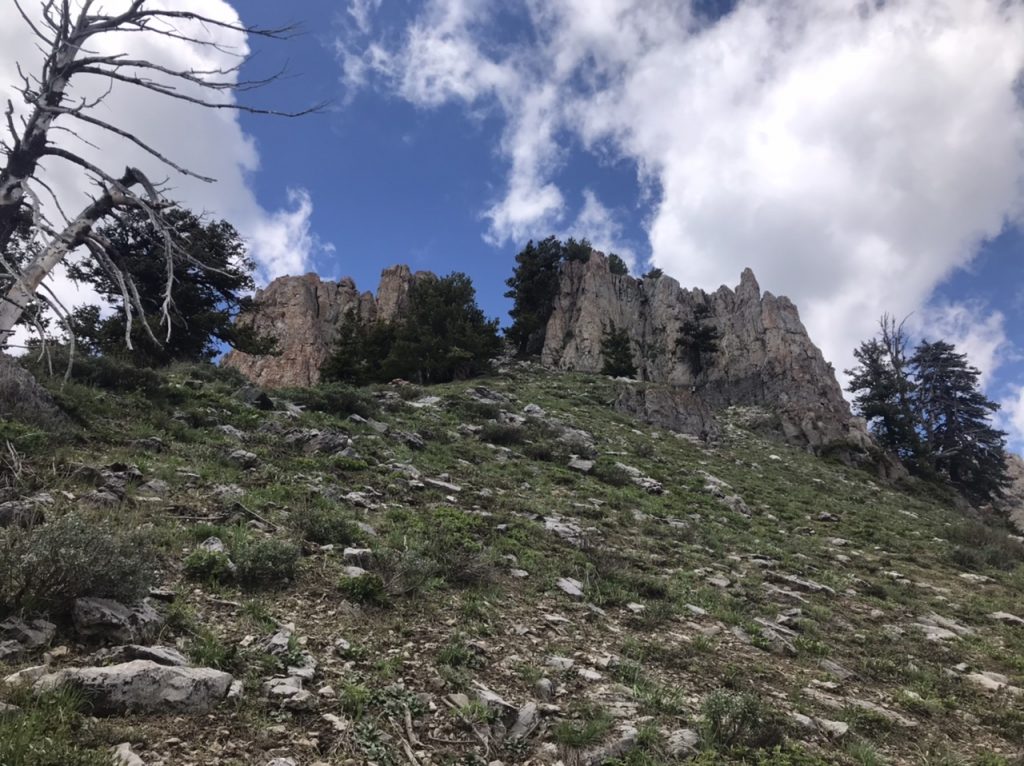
765 357
304 313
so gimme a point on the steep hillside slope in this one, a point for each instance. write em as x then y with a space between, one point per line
505 571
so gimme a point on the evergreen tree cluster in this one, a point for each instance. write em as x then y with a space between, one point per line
442 336
929 410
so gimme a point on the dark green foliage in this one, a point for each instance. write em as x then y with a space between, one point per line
883 391
533 287
698 340
45 568
365 589
654 274
212 274
930 411
208 566
443 336
502 434
617 266
264 562
325 526
739 720
955 417
618 353
610 473
107 372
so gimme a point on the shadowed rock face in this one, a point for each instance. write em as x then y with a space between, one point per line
1013 502
304 314
764 358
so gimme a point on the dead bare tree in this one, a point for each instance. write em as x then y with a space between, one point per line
66 31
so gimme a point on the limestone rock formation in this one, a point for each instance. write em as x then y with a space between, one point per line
764 357
1012 504
304 314
142 686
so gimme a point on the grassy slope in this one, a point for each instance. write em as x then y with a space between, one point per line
898 563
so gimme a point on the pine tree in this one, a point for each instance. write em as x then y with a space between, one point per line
212 279
955 416
617 353
533 288
617 266
883 391
698 340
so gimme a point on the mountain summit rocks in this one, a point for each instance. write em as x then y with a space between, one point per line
304 314
764 357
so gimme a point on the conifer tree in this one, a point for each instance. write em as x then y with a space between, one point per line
617 353
883 390
955 418
698 340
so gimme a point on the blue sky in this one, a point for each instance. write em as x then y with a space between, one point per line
861 158
859 162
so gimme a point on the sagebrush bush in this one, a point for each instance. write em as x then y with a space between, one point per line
264 562
612 474
452 540
978 546
739 720
366 589
208 566
502 434
338 399
325 526
45 568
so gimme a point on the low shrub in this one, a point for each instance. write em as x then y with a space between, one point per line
264 562
610 473
106 372
367 589
45 568
502 434
452 539
336 399
979 546
739 720
325 526
209 566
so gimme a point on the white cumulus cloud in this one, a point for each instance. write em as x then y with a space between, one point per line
854 154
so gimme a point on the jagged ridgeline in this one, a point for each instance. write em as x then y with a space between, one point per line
695 352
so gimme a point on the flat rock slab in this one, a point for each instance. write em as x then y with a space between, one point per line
571 587
143 686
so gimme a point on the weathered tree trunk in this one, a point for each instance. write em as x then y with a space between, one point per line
23 291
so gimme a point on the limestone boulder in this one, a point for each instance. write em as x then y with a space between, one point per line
143 686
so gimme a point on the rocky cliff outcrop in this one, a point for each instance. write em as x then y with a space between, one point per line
764 357
304 313
1012 503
